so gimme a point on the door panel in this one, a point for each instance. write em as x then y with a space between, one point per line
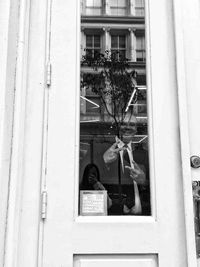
116 261
65 232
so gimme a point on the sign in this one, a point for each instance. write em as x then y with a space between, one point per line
93 203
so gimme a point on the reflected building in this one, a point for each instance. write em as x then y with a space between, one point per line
116 26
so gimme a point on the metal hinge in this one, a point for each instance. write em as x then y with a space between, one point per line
44 205
48 74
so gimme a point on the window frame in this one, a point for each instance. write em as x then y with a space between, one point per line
118 49
93 8
141 49
93 48
118 8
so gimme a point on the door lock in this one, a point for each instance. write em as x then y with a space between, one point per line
195 162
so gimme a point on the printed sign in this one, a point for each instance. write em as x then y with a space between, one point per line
93 202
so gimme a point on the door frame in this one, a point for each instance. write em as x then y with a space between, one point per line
18 142
26 141
184 131
8 50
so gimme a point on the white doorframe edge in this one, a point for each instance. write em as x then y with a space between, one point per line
16 160
184 133
8 43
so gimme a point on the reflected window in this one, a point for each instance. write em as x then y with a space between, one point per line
118 46
139 8
140 48
93 45
93 7
118 7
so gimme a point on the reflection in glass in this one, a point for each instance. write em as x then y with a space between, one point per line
118 7
113 110
196 201
139 7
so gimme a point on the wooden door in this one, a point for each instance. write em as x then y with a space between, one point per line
69 239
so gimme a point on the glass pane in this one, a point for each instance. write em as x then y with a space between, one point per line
139 11
92 11
92 105
89 3
93 3
114 41
139 56
96 41
113 3
122 53
121 11
89 11
122 41
97 3
139 3
114 11
96 53
89 53
139 43
89 42
139 8
118 7
118 3
122 3
118 11
114 153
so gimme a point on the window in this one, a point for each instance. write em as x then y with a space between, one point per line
89 103
118 7
140 107
139 7
113 113
93 7
140 49
118 45
93 45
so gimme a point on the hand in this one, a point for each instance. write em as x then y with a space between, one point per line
137 174
111 154
92 179
119 142
114 148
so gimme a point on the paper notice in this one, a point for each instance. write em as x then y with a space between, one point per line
93 202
